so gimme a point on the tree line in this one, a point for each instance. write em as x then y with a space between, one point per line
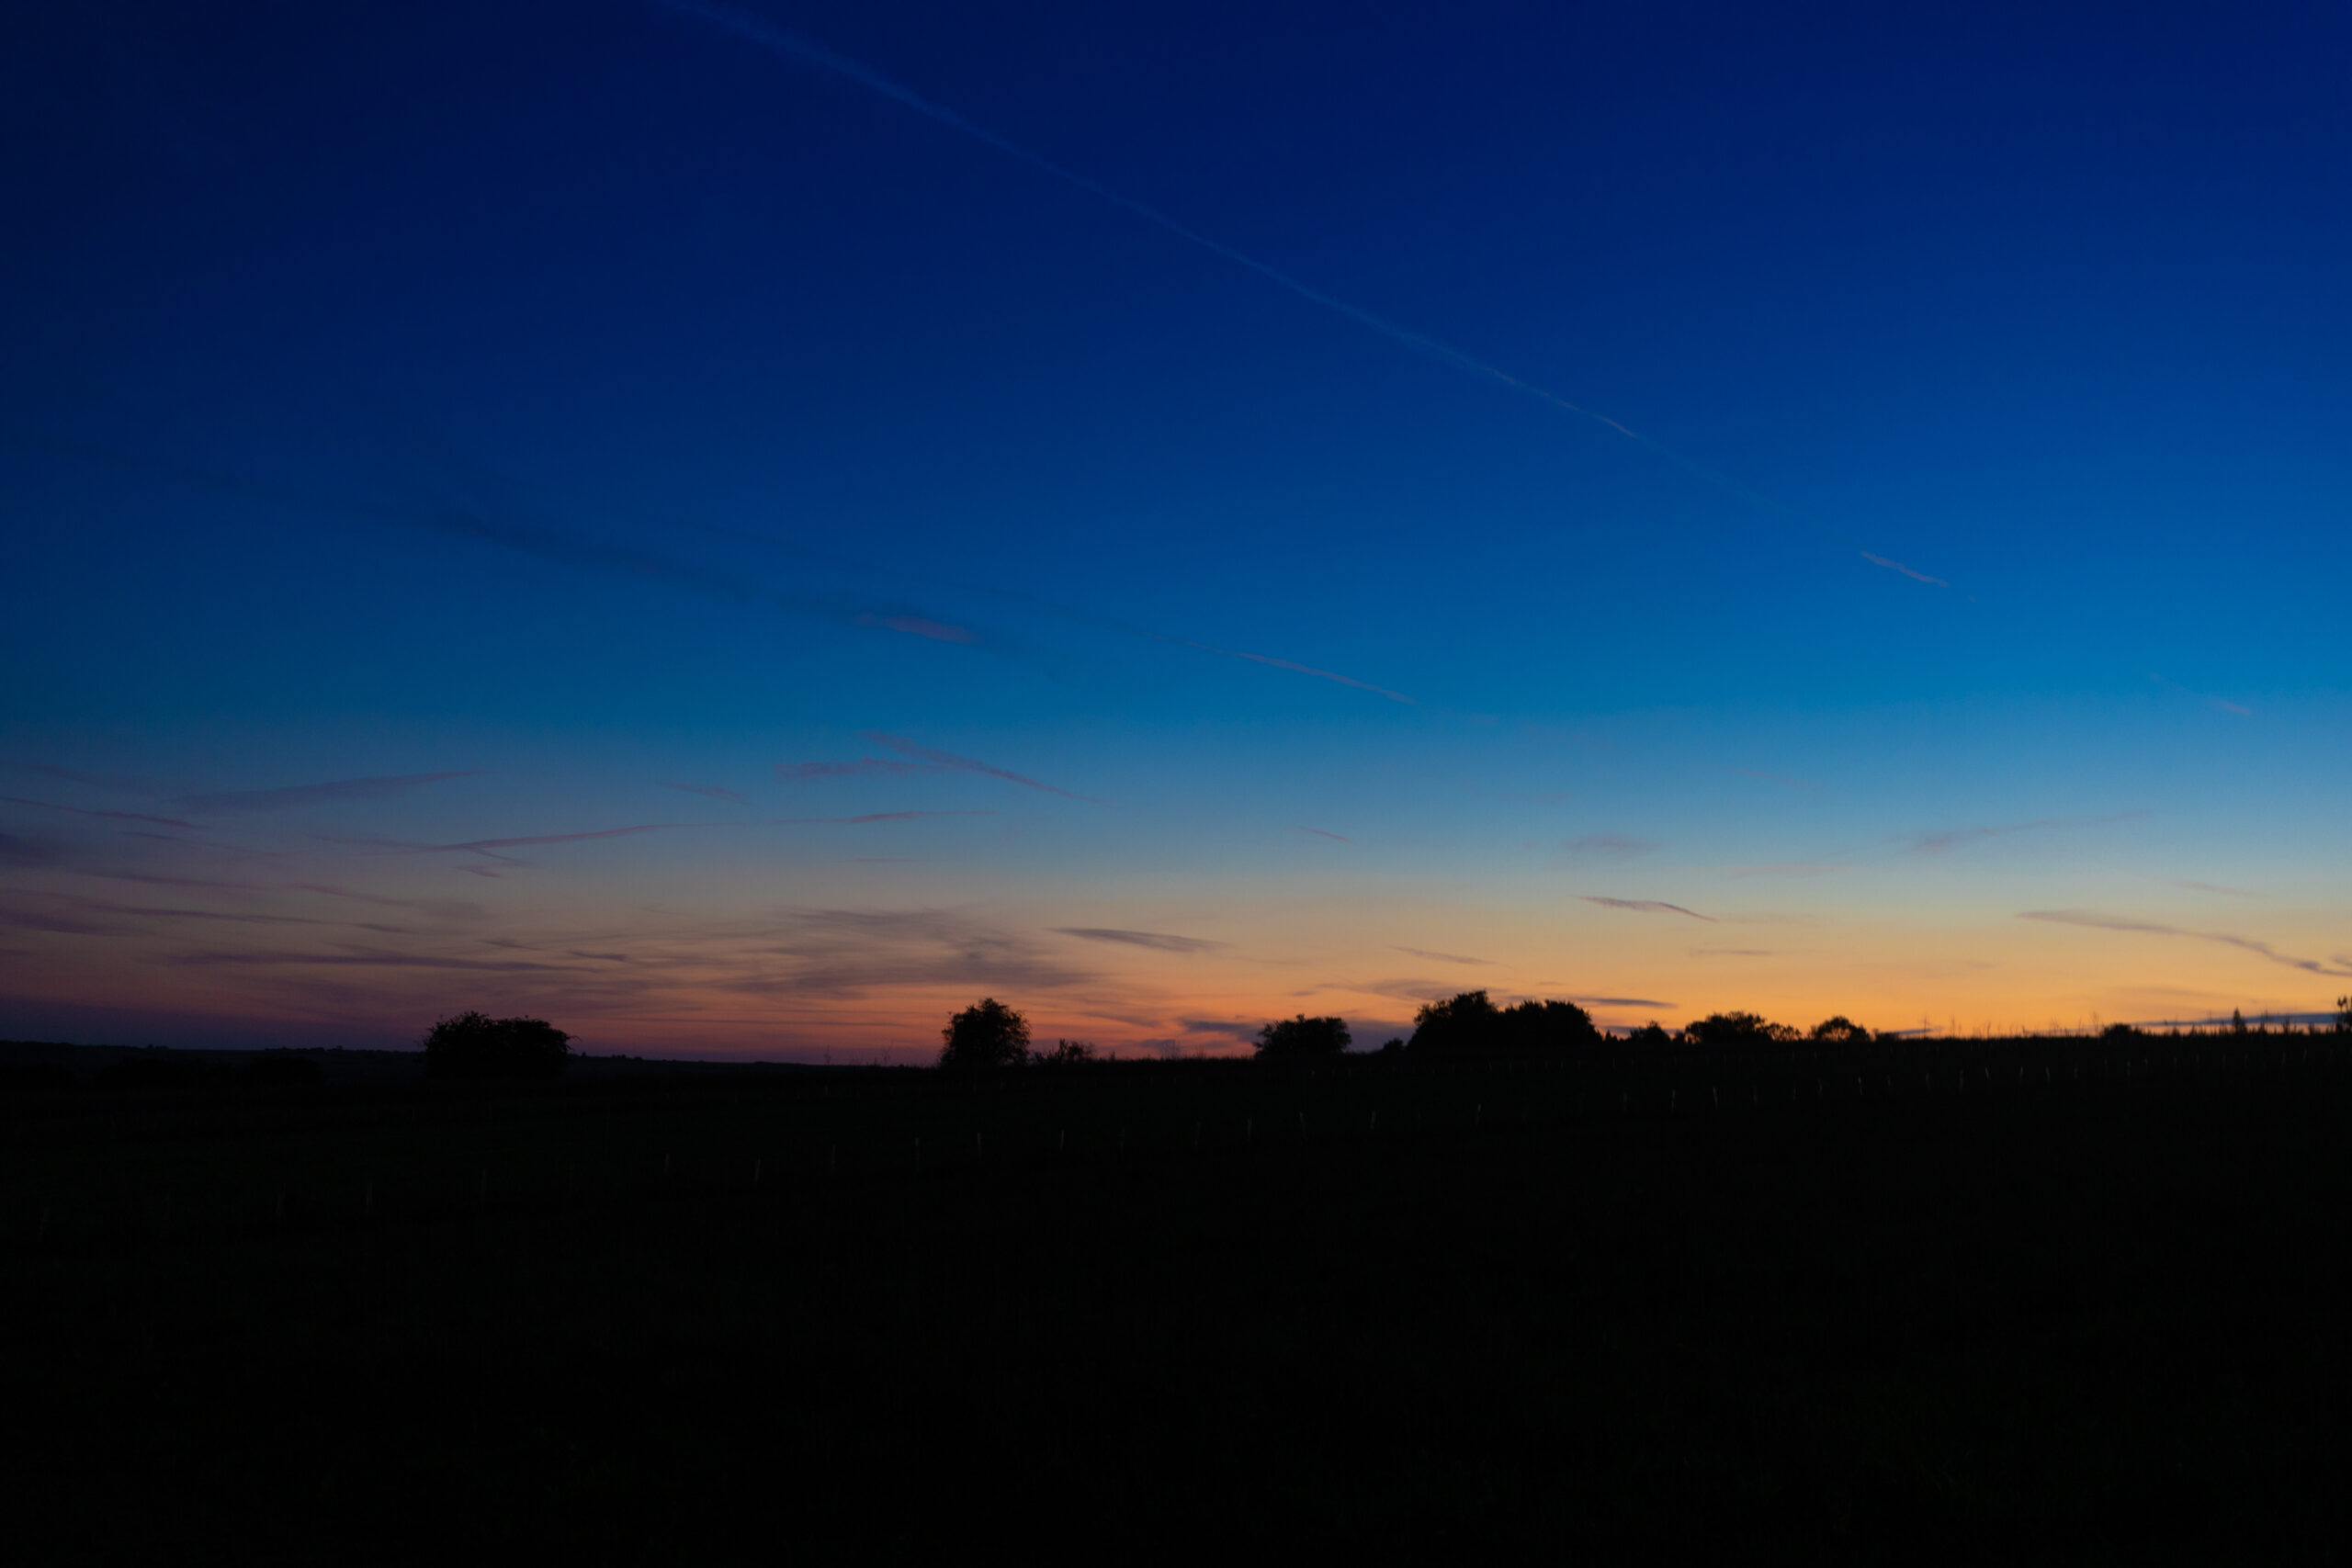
990 1034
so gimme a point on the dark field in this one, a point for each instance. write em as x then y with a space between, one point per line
2090 1307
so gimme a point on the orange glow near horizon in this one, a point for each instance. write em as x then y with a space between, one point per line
807 983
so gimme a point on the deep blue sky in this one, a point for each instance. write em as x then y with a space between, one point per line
577 396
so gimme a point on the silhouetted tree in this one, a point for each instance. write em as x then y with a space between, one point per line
1547 1026
1303 1036
1839 1030
1390 1047
1471 1021
1719 1030
986 1034
1466 1022
472 1045
1065 1054
1650 1036
2344 1015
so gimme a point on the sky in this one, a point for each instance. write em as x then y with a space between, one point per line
741 530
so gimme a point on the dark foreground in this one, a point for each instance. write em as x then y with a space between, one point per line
1623 1309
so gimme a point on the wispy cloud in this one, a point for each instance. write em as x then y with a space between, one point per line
870 817
954 763
2211 888
1898 566
557 545
445 909
1645 907
1621 1001
849 951
367 960
484 846
154 879
293 795
917 626
865 767
1443 957
490 847
714 791
1606 846
22 852
1158 940
493 850
173 912
2097 921
1076 614
126 783
1938 842
110 816
582 551
635 564
21 918
1321 833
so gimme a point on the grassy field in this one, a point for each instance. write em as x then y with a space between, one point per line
1968 1300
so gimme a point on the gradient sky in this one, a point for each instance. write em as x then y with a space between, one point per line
744 530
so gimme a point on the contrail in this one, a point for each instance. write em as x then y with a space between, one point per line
783 41
1898 566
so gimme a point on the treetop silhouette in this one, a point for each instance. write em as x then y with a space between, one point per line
1303 1036
1734 1029
986 1034
1471 1021
474 1045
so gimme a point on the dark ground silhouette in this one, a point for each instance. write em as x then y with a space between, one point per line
1960 1301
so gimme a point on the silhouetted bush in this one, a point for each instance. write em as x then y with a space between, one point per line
2344 1015
1718 1030
472 1045
1303 1036
2119 1031
1390 1047
986 1034
1650 1036
277 1069
1066 1053
1839 1030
